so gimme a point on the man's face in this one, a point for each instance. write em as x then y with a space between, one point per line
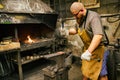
78 13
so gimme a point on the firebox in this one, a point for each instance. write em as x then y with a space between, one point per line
33 31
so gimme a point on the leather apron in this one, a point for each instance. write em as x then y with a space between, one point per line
92 68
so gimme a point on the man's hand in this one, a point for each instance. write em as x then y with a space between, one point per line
86 55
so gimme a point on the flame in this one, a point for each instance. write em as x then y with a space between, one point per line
29 39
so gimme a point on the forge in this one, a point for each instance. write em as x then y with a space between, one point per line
29 49
37 44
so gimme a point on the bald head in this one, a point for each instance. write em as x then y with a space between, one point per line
76 6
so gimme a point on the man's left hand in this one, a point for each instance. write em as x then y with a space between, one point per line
86 55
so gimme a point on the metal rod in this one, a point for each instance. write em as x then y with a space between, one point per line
116 30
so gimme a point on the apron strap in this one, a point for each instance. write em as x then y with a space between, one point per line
85 19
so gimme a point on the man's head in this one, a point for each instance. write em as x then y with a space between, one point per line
78 9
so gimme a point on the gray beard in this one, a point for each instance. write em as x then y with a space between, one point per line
80 20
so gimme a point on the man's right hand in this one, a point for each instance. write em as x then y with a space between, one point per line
72 31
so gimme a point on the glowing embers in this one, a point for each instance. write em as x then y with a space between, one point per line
29 40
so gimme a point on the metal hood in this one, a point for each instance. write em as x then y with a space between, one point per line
25 6
28 11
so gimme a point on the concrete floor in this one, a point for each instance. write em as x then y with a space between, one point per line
37 74
75 73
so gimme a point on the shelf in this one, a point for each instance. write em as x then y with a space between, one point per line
9 47
48 56
42 43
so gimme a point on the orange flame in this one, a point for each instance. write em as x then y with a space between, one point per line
29 39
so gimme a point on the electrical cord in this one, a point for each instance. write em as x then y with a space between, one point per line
114 18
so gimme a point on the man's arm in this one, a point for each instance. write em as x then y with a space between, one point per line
95 42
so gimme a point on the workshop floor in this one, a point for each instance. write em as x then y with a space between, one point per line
75 73
30 71
36 74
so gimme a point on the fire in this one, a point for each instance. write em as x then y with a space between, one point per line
29 39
